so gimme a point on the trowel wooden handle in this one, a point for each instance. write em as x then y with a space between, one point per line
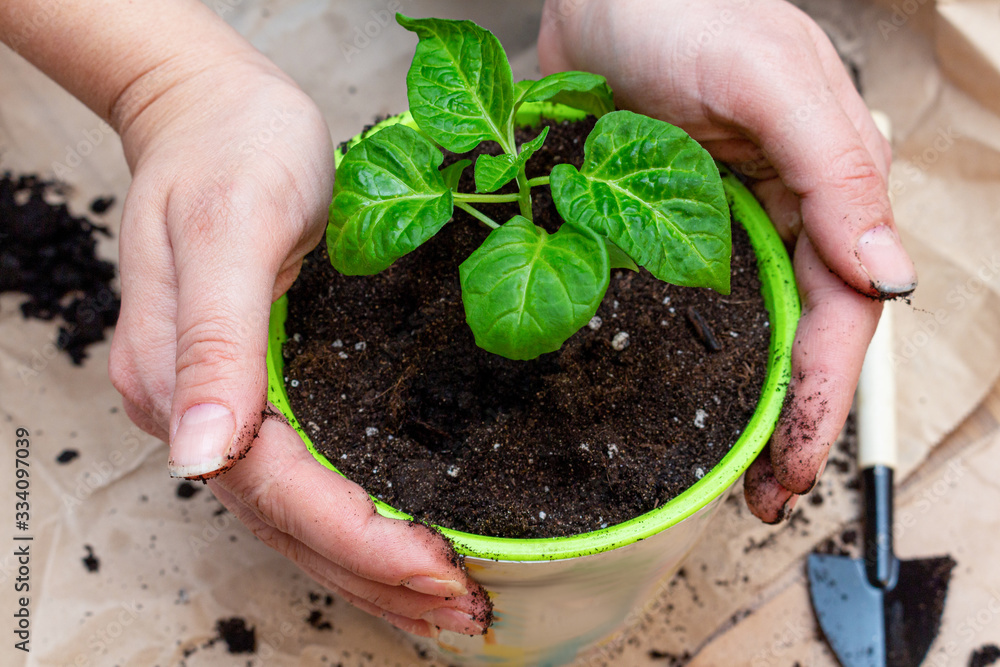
877 453
877 400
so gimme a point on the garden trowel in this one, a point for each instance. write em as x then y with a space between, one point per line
878 611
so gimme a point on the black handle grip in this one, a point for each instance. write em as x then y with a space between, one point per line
881 564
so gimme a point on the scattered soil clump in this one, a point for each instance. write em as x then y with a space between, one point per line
67 455
238 637
90 561
49 255
187 490
984 656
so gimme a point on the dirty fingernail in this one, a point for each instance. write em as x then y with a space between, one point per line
819 473
885 261
786 510
445 588
453 620
202 441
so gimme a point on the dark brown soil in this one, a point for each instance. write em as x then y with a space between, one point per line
90 561
48 254
317 621
234 632
985 656
66 456
187 490
384 375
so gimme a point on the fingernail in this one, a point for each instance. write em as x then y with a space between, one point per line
202 441
445 588
888 266
819 473
453 620
786 510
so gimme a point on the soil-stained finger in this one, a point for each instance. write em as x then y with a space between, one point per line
768 500
836 326
394 599
288 489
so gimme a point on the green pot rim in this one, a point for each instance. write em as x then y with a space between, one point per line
782 301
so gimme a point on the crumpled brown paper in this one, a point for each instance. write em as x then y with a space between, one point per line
171 566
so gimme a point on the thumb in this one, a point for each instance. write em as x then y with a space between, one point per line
223 300
827 150
846 211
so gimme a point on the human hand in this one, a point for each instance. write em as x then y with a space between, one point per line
232 177
760 87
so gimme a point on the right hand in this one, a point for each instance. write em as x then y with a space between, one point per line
761 87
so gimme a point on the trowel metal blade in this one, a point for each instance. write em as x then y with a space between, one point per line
849 610
913 609
869 627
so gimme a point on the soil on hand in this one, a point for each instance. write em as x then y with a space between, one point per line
384 375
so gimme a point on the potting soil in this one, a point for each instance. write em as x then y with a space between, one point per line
384 375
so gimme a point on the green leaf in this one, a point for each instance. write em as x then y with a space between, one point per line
580 90
459 86
525 291
495 171
618 259
452 174
520 90
389 197
656 194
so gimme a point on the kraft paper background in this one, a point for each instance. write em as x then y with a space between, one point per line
170 567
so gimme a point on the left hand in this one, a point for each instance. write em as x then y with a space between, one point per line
232 179
761 87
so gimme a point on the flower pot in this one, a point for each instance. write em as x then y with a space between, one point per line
554 597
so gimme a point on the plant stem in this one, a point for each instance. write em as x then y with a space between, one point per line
511 146
524 194
485 198
481 217
541 180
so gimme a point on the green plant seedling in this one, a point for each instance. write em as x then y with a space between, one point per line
646 195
